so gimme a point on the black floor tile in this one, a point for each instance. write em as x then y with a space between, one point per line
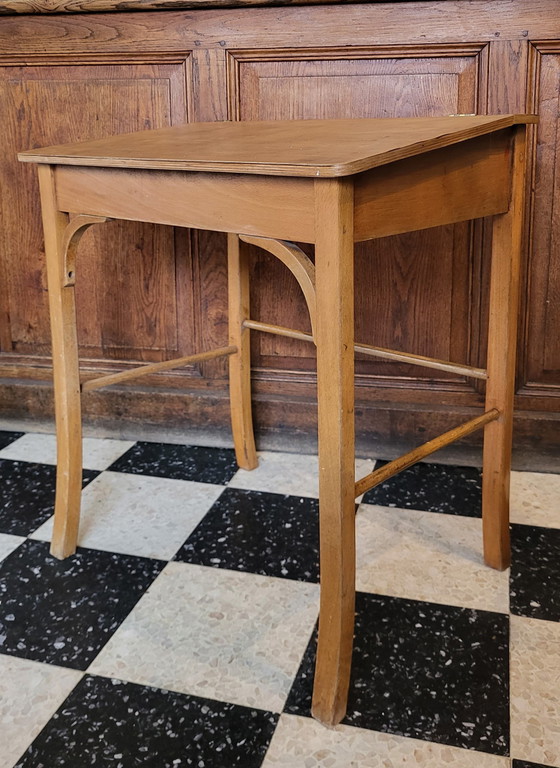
111 723
431 488
525 764
263 533
64 611
425 671
535 572
8 437
179 462
27 495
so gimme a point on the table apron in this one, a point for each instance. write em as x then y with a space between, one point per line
278 207
465 181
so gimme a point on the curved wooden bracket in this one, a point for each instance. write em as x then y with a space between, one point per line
300 265
71 239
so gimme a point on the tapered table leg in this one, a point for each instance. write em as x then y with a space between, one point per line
240 362
502 335
335 390
66 374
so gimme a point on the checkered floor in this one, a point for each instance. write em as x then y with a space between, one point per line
182 633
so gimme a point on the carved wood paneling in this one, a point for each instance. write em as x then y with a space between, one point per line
334 25
343 25
399 304
100 6
137 317
542 347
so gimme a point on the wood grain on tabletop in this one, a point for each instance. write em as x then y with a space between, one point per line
284 148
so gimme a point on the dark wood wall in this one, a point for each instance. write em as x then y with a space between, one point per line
149 293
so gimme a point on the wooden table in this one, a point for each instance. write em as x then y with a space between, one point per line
331 183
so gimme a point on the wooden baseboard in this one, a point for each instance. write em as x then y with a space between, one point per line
282 423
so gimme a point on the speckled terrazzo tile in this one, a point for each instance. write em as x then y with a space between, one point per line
230 636
109 723
258 532
288 473
535 690
300 742
179 462
431 672
27 495
30 694
535 572
139 515
8 437
535 499
64 611
40 448
426 556
8 543
431 488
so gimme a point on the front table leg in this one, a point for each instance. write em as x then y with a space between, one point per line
334 260
502 334
66 374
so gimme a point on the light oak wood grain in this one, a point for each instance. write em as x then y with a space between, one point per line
240 363
410 195
366 349
207 201
72 236
284 148
334 261
147 370
66 374
502 337
392 468
300 265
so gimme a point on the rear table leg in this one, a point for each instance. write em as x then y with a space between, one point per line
240 362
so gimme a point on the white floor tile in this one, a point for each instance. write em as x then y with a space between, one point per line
300 742
139 515
209 632
98 453
535 499
288 473
426 556
30 693
8 543
535 690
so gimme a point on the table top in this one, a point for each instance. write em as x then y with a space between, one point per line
330 148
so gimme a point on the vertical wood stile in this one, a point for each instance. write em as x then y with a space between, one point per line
65 372
240 362
334 259
502 335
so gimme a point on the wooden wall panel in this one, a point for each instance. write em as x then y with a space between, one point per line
399 304
46 104
89 6
543 318
338 24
